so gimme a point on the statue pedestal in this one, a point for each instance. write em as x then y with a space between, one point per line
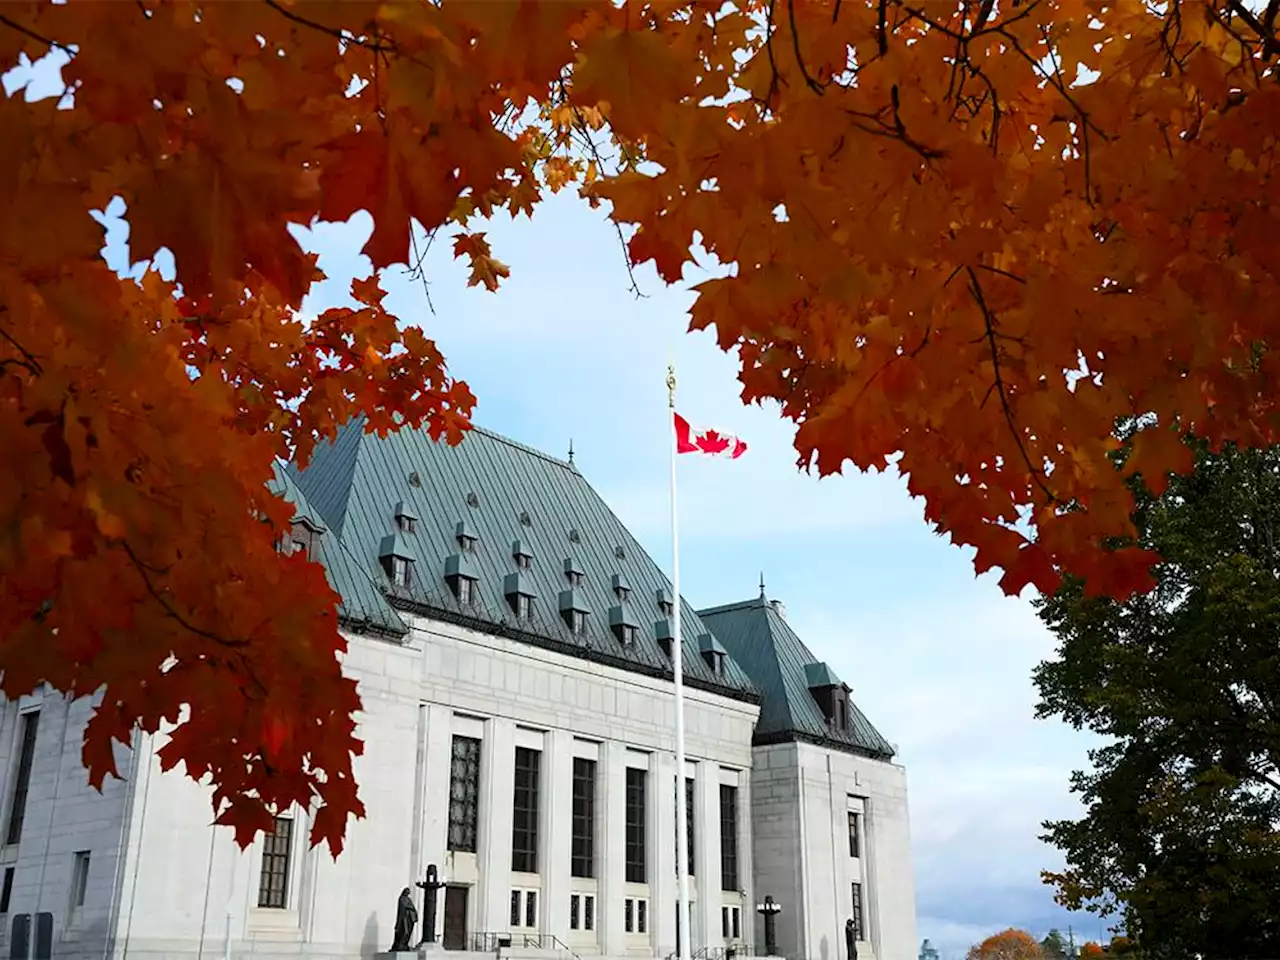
396 955
433 950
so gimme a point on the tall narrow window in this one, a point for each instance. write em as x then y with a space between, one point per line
464 794
22 776
6 892
855 835
273 879
637 867
584 818
524 828
859 930
728 837
79 878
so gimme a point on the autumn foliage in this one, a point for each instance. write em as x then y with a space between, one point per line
974 233
1091 950
1008 945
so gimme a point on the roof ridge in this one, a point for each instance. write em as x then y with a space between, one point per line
756 602
523 447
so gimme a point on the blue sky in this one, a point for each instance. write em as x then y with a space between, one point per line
939 660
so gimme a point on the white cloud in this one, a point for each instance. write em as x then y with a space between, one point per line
940 661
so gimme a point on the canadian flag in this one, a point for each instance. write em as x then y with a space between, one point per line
712 443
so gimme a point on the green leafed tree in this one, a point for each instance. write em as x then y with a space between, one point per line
1180 837
1054 946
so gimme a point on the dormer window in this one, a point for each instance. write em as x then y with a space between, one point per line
662 633
712 653
396 559
665 606
406 519
461 577
466 537
518 589
623 625
522 554
400 571
572 572
831 695
303 537
574 609
621 588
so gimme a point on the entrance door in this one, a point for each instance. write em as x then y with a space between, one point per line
455 918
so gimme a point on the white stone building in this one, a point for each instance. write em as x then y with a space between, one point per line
511 643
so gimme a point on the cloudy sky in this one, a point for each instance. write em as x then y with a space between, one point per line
938 659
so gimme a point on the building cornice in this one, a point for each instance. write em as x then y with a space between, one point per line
510 632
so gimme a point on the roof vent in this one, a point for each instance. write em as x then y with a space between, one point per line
525 519
778 608
473 500
619 553
573 536
414 479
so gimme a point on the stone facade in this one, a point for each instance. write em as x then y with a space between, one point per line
472 705
812 810
163 882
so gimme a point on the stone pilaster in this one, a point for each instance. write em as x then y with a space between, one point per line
556 827
611 845
497 787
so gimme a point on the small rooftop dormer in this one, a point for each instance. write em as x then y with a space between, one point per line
573 608
621 587
665 606
520 594
522 553
406 519
662 631
623 625
302 537
397 559
466 536
572 572
461 575
712 653
831 695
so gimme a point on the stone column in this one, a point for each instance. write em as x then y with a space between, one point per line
611 846
746 861
435 803
662 851
497 787
556 826
707 854
870 869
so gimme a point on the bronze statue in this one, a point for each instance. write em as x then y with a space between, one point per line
851 938
406 920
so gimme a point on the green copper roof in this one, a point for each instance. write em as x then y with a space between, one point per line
363 606
820 675
782 667
504 492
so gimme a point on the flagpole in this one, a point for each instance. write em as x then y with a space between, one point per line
677 665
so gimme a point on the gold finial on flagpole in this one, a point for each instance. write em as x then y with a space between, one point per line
671 385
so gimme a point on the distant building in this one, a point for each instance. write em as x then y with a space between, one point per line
928 951
512 643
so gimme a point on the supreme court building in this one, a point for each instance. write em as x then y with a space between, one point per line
512 643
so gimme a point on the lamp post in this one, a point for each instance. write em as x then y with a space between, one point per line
770 910
429 888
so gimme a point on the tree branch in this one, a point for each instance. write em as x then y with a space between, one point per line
975 290
168 607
